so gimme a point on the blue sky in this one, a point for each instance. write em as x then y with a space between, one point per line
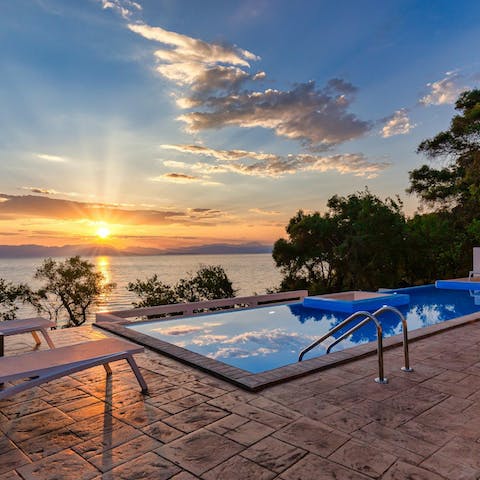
183 122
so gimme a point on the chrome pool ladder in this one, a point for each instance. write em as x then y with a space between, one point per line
369 317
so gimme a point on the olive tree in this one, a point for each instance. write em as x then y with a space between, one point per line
72 286
11 297
208 283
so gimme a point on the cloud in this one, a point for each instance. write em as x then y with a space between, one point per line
248 10
262 164
225 155
215 76
183 178
126 8
204 67
41 191
255 343
397 124
317 117
51 158
235 352
49 191
206 213
15 206
203 340
178 330
446 90
260 211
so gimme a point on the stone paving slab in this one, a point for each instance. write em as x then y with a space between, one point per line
335 424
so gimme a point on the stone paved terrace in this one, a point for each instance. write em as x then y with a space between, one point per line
336 424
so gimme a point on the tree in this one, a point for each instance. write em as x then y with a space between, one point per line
152 291
208 283
11 295
72 285
453 190
357 244
307 259
456 186
434 248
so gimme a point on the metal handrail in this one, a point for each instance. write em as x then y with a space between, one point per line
347 334
388 308
381 378
385 308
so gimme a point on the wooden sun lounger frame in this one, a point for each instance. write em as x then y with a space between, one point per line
117 350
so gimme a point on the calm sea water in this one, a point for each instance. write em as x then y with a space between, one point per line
249 273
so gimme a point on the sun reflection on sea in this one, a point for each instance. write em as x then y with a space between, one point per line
103 265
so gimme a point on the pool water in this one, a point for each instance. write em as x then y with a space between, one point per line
261 339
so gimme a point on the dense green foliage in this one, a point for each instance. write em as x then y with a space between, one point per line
360 240
73 286
208 283
456 186
363 242
454 189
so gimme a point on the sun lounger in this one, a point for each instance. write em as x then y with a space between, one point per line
43 366
26 325
476 263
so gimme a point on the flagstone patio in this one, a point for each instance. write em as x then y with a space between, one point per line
336 424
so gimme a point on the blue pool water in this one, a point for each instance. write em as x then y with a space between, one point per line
264 338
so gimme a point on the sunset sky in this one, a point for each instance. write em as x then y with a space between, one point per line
169 123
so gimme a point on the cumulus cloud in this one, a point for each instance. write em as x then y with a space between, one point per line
317 117
397 124
204 67
215 78
445 90
16 206
126 8
272 165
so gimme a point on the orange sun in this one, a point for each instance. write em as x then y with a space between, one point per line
102 232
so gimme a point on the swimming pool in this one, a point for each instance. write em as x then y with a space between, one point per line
261 339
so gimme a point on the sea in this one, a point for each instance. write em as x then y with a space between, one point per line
250 273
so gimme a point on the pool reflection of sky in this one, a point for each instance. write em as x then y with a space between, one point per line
264 338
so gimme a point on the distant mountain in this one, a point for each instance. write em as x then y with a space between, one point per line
222 249
31 251
16 251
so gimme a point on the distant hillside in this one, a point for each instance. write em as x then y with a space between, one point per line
31 251
222 249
